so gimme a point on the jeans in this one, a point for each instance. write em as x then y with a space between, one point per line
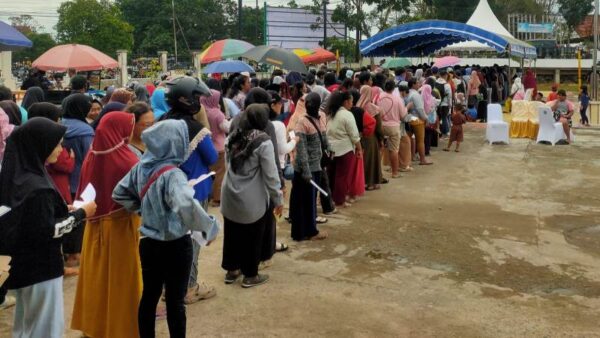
195 253
444 112
168 263
584 118
39 311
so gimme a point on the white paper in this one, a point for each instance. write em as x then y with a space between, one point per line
292 134
319 188
88 195
198 236
195 181
3 210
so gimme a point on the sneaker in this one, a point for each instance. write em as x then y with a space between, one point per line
232 276
199 292
9 301
249 282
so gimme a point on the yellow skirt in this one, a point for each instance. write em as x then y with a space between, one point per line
110 278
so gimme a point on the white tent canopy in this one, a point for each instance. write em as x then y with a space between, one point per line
483 18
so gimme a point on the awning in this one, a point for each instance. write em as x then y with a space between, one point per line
422 38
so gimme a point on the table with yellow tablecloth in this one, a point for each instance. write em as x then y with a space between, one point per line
524 121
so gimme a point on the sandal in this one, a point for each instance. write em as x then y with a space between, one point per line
397 176
321 220
351 200
320 236
161 313
385 181
370 188
457 151
281 247
199 292
446 149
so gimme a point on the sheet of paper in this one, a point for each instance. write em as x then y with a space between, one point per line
195 181
87 195
3 210
318 188
199 238
292 134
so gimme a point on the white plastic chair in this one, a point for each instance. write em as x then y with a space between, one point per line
497 129
550 130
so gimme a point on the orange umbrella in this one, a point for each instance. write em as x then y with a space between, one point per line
74 56
320 55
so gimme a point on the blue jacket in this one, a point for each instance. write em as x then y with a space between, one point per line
79 137
203 155
169 210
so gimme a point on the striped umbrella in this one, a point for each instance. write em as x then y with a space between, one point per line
224 49
315 56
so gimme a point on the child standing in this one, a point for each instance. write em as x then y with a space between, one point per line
169 214
456 133
584 102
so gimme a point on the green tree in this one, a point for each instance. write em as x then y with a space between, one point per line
41 43
574 11
95 23
24 23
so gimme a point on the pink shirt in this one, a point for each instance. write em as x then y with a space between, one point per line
215 119
393 109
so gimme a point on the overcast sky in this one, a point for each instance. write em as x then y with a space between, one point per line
44 11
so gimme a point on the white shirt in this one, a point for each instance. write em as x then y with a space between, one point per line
283 146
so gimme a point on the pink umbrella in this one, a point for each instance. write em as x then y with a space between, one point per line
446 61
74 56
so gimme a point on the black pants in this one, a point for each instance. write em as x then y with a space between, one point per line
168 263
326 202
269 236
443 113
243 243
303 207
3 291
430 137
584 118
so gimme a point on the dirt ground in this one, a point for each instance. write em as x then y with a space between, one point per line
495 241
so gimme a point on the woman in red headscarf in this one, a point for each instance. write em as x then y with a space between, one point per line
529 82
110 281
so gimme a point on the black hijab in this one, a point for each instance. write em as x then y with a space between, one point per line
32 95
110 107
77 106
249 135
312 102
358 112
44 109
12 110
23 168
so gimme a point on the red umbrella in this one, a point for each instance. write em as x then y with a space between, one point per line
320 55
74 56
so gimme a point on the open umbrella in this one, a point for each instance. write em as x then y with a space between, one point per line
446 61
74 56
224 49
315 56
11 39
234 66
396 63
276 56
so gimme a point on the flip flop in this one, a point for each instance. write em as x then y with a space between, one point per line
281 247
320 236
321 220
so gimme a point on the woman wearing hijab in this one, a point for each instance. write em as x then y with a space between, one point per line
430 104
517 91
219 126
357 176
201 155
6 129
109 91
144 119
32 95
141 94
473 90
344 141
78 138
110 107
64 165
311 131
110 281
31 231
95 111
250 185
529 82
159 103
371 140
121 95
12 110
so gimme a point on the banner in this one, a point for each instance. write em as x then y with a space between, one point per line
525 27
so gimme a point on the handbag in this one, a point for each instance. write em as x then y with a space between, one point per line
327 156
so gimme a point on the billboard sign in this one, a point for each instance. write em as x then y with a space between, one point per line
525 27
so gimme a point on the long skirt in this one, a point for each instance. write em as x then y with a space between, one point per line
39 311
372 160
405 153
110 278
357 185
242 244
340 176
303 207
270 236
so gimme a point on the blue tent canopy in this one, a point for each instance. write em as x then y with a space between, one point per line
11 39
422 38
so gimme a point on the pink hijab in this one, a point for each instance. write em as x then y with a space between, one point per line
428 100
5 129
366 101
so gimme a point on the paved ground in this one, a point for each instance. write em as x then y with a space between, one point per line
495 241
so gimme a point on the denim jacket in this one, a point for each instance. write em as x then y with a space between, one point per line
169 210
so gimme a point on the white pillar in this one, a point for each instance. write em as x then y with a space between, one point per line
122 58
196 62
6 70
557 75
163 60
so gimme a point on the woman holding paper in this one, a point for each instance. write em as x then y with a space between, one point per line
311 130
110 280
31 232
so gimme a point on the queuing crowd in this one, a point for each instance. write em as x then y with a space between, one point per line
321 138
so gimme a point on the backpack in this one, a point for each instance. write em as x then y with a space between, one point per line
441 87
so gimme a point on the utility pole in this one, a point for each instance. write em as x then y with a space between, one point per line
174 29
595 66
256 20
239 19
325 24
